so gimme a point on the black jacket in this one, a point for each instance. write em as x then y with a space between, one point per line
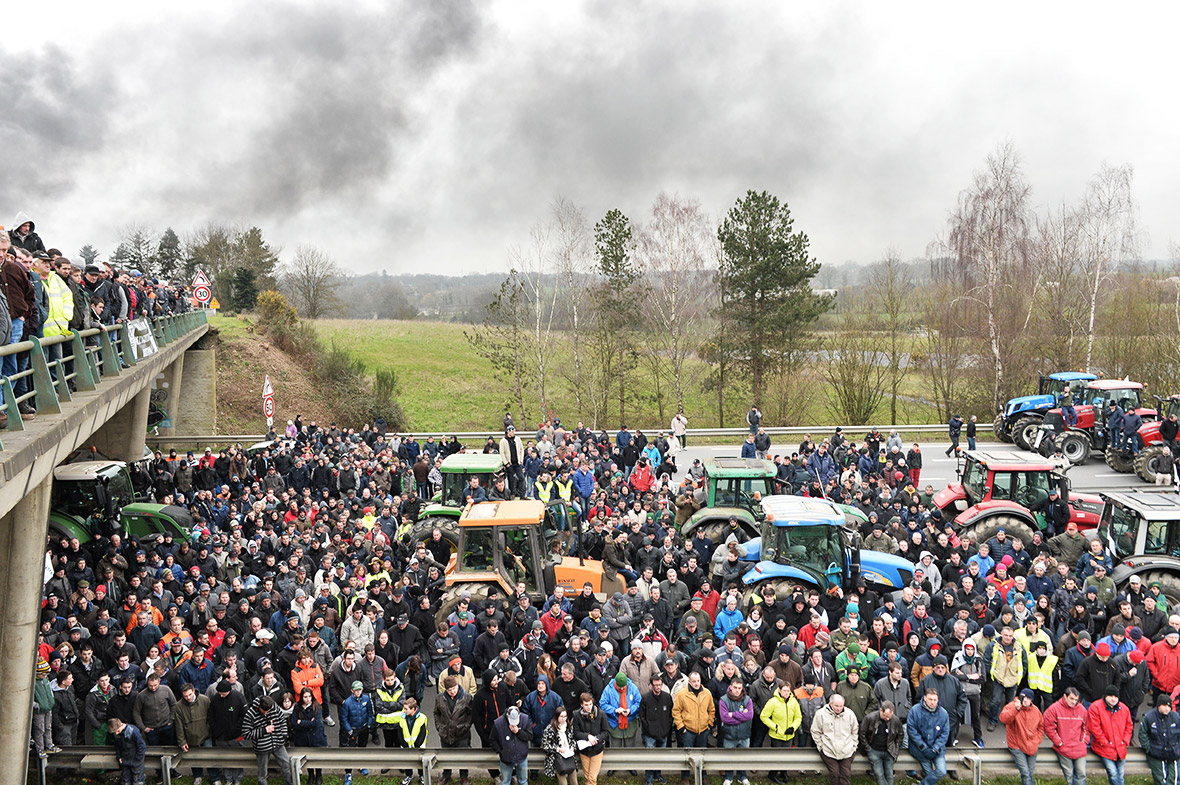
655 715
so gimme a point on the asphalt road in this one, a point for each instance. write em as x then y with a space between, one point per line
939 470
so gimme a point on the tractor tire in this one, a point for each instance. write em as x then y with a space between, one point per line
1119 461
986 529
424 529
450 599
1002 433
1024 431
783 589
714 531
1169 585
1074 446
1152 461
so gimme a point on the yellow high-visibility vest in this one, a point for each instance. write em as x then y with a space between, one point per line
1040 677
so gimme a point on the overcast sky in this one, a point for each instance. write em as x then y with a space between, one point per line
428 136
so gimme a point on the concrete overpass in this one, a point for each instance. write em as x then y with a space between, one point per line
115 373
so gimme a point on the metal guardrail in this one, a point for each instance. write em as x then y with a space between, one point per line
737 433
699 761
85 359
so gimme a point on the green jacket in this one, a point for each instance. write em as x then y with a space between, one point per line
42 696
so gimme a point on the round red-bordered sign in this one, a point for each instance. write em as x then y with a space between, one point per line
268 406
202 294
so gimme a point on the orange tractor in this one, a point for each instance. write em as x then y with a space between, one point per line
509 542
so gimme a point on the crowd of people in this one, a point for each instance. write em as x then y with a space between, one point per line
300 611
45 294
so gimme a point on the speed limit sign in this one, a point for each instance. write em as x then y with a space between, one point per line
268 406
202 294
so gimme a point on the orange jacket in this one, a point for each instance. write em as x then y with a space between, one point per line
1025 727
312 678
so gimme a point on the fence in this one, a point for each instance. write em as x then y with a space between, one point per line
54 368
698 762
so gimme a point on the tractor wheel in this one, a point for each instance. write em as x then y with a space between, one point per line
1074 446
1001 432
1025 431
1120 461
715 531
783 589
1152 461
986 529
450 599
1170 586
424 529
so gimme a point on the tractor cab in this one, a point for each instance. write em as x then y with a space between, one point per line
457 471
987 476
1142 531
1099 394
506 543
809 541
732 487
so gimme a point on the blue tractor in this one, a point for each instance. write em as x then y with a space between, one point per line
815 542
1022 416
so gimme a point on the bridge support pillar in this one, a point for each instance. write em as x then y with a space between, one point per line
173 385
22 541
196 411
122 437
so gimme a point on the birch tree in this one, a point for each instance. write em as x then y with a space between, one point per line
533 263
1109 218
574 255
676 247
891 284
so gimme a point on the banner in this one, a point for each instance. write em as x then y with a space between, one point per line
143 342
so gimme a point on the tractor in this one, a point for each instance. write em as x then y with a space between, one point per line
998 489
731 487
503 543
1022 416
811 542
1142 531
1090 433
1154 456
445 508
93 498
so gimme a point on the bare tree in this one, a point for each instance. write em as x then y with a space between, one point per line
676 249
856 372
574 252
988 241
1109 218
503 338
534 266
891 284
944 345
312 280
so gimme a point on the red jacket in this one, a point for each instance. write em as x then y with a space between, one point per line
1066 728
1164 663
641 479
1110 730
551 624
1025 727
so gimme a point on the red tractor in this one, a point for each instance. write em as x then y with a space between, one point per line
1155 457
1090 433
1009 490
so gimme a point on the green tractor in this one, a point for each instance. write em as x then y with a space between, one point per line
731 487
95 497
446 506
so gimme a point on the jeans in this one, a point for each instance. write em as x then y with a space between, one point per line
1131 442
970 442
650 742
1070 415
520 770
954 446
10 361
882 764
973 706
281 758
197 771
1164 772
1115 770
160 737
132 773
1116 437
933 770
227 775
1026 764
529 484
1001 696
53 354
1074 771
741 744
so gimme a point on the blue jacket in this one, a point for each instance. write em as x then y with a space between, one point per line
513 748
726 621
584 482
622 439
928 731
532 466
653 455
129 745
822 467
1160 735
609 703
1038 586
748 450
200 677
356 713
541 711
1125 647
866 465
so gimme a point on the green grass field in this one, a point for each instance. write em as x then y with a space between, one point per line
446 385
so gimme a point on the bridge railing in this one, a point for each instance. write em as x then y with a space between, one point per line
963 762
52 370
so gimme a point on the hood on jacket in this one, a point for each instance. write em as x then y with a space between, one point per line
21 219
